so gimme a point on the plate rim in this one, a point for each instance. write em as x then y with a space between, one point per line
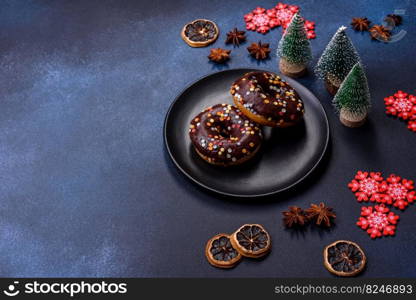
233 194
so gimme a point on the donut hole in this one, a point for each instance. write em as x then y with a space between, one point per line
225 133
222 130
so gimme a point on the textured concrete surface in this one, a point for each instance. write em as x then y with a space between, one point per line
86 188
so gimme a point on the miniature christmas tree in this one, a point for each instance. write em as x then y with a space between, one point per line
353 98
337 60
294 48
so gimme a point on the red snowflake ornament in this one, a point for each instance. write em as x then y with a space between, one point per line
262 20
400 192
285 14
258 20
370 186
378 221
367 186
401 105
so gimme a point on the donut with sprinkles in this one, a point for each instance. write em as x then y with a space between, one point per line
222 135
267 99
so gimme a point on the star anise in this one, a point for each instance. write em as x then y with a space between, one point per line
259 51
396 20
219 55
295 216
321 214
235 37
379 32
360 24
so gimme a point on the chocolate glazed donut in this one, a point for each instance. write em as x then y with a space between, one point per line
223 135
267 99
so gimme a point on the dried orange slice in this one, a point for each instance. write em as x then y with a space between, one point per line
344 258
251 240
200 33
220 253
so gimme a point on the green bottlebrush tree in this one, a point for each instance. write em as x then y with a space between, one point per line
294 45
353 94
338 57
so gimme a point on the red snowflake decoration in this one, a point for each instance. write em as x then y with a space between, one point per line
262 20
257 20
367 186
378 221
403 106
399 192
284 13
370 186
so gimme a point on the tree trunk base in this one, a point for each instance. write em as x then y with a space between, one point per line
332 84
352 120
291 70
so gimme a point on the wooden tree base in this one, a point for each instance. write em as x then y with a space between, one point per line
352 120
332 84
290 69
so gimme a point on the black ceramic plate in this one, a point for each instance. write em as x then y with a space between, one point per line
287 156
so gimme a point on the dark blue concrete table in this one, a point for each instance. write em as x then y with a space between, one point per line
86 187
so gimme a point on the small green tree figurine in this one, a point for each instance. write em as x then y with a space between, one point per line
337 60
353 98
294 49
